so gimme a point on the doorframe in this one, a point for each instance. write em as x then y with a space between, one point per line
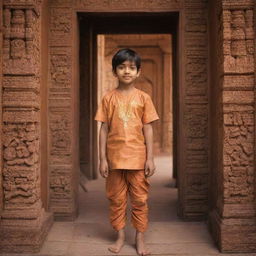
193 158
94 86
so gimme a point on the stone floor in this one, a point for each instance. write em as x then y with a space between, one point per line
91 233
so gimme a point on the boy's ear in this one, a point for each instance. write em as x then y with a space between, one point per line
138 73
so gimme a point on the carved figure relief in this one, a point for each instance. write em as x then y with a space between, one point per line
21 52
21 155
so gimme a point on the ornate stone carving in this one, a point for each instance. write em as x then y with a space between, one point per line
60 26
196 166
234 213
24 222
196 120
21 52
60 110
61 188
60 132
60 66
238 32
238 124
21 172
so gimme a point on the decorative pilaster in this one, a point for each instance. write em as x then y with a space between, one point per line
1 122
63 100
233 217
193 104
24 223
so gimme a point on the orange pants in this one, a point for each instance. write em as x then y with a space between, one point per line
119 184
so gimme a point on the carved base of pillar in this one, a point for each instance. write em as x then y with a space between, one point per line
64 214
24 238
67 212
235 235
191 212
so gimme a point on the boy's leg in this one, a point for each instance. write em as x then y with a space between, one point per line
138 186
138 189
116 191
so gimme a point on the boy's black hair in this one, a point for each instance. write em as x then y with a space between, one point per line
125 54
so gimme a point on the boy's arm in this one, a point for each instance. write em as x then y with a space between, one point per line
148 134
102 149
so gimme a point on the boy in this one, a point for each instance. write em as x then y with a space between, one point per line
126 148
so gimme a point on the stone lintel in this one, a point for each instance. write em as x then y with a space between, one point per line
127 6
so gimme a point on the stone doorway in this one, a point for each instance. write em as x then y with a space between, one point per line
190 105
157 78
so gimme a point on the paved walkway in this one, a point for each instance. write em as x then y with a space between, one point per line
90 234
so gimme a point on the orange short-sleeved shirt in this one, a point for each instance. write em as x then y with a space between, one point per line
125 115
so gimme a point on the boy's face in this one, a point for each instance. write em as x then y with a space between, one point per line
127 72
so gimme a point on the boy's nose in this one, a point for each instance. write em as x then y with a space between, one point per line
127 70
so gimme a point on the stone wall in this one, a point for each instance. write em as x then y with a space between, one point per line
232 217
24 222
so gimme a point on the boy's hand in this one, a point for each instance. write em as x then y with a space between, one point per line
104 168
149 168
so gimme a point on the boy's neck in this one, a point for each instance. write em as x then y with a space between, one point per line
125 87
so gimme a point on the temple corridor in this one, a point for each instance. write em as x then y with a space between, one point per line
91 233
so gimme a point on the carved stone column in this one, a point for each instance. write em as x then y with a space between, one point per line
167 130
1 82
24 223
193 140
63 109
233 215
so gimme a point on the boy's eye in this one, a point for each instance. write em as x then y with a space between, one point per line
120 67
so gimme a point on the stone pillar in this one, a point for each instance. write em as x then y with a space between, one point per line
63 109
232 218
24 223
193 141
1 121
167 130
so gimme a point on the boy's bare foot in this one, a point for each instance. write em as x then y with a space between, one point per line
140 244
116 247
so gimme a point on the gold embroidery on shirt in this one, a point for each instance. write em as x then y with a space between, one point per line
125 111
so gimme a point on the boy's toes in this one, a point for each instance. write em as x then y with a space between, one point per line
113 249
145 253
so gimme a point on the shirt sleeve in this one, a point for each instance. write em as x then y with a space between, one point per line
101 114
150 113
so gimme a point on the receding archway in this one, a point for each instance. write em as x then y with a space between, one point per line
155 49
